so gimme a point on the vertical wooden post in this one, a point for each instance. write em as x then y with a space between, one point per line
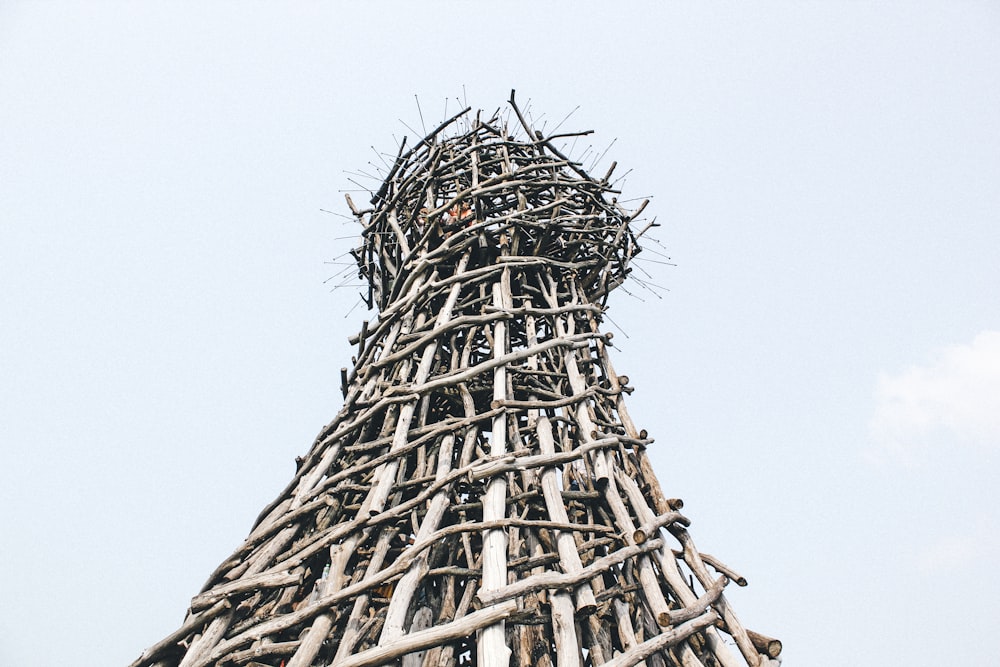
492 647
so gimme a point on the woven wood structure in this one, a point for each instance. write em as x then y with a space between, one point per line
483 497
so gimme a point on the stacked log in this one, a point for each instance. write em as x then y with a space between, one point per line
483 497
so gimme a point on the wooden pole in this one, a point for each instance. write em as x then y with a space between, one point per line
492 645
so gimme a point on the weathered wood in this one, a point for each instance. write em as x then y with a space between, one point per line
709 598
769 646
398 607
352 632
273 648
568 555
439 634
722 568
310 646
207 640
661 641
564 630
643 532
733 626
552 579
387 473
647 577
484 451
492 646
252 582
193 622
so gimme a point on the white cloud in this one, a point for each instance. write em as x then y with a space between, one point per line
957 396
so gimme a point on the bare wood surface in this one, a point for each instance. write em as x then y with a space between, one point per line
769 646
568 555
492 644
484 452
436 635
643 532
661 641
553 579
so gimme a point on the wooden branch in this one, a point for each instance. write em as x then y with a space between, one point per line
643 532
568 555
556 580
676 616
544 405
733 626
571 342
647 577
260 581
275 648
564 630
767 645
512 463
721 568
208 639
309 646
400 603
492 649
664 640
193 622
433 636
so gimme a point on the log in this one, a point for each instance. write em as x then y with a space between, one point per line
254 582
352 633
733 626
193 622
400 603
555 580
568 555
208 639
721 568
422 619
433 636
647 577
564 630
769 646
309 647
275 648
643 532
676 616
512 463
662 641
492 646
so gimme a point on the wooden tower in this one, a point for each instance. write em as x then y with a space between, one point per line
483 497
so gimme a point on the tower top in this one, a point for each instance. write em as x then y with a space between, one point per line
511 195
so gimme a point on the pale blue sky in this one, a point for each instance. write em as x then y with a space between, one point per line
822 378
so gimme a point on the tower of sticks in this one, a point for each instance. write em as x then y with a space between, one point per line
483 497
